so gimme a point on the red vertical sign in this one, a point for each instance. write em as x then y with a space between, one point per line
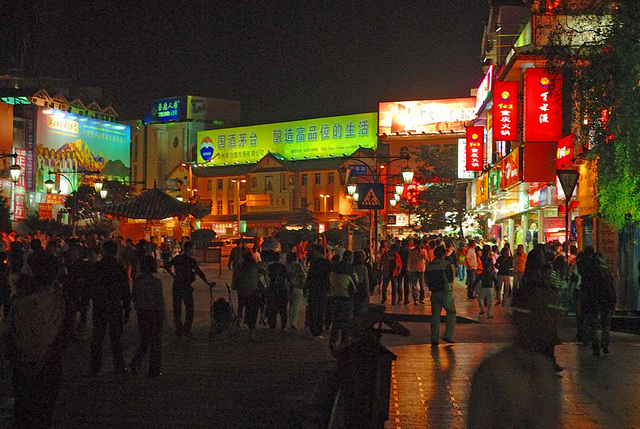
564 153
475 148
19 206
505 111
543 105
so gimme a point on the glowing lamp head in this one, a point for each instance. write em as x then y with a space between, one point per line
399 189
393 202
356 197
15 170
103 193
49 185
351 189
98 184
407 175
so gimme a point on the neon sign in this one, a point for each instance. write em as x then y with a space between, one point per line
475 143
543 105
505 111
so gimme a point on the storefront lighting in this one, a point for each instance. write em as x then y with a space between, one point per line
97 185
49 185
399 189
15 170
351 189
407 175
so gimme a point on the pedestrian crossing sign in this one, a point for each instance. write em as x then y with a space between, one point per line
371 196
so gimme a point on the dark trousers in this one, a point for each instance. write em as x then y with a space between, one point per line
182 295
275 308
36 395
150 329
340 313
471 278
316 311
102 320
251 306
394 288
416 279
403 286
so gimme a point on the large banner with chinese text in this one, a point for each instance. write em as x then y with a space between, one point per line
475 144
310 138
505 111
542 105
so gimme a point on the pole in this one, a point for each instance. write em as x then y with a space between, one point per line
325 212
238 202
192 185
566 214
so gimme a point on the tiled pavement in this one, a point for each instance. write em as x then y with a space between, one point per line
271 384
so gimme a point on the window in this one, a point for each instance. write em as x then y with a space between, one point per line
317 205
254 182
304 180
230 207
330 178
304 204
209 185
219 207
232 184
330 204
220 184
318 179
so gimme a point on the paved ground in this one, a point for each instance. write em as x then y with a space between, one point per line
272 383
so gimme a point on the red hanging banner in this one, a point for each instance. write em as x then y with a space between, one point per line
564 153
475 148
543 105
505 111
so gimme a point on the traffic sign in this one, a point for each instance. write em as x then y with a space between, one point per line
371 196
568 181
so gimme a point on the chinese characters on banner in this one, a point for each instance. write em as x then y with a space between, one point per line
511 169
564 154
19 203
505 111
475 149
543 105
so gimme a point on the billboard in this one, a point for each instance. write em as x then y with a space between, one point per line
425 116
484 90
167 110
505 111
68 143
310 138
463 173
543 105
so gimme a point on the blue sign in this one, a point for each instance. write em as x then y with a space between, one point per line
167 110
370 196
357 170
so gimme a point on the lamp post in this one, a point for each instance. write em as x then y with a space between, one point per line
14 170
98 186
237 181
325 196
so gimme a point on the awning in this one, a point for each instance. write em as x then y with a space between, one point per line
155 204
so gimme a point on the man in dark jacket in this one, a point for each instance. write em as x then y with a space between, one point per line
439 275
111 307
316 289
185 269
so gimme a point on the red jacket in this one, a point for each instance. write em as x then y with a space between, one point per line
386 264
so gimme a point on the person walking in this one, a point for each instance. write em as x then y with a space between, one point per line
391 267
111 307
278 292
439 276
472 265
298 278
185 268
316 289
341 292
149 304
35 337
485 293
519 261
250 292
598 301
417 262
403 287
361 297
504 265
462 261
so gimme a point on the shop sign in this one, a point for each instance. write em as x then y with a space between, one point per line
56 199
484 90
311 138
587 189
463 173
505 111
554 229
511 169
45 211
19 202
543 105
494 180
534 198
167 110
475 143
425 116
482 189
564 155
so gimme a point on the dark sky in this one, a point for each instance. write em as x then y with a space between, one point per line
284 60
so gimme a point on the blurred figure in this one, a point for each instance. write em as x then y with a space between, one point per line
519 261
598 301
439 276
250 293
361 297
298 278
341 292
391 267
316 288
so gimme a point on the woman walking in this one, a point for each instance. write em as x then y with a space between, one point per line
298 278
598 301
504 265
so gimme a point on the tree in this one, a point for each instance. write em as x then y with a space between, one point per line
87 202
439 196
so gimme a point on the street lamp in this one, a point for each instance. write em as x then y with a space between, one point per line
237 182
325 205
399 189
97 185
407 175
49 185
356 197
393 202
396 197
103 193
15 170
351 189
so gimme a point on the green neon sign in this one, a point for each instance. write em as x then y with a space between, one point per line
310 138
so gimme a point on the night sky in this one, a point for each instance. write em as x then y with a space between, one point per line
283 60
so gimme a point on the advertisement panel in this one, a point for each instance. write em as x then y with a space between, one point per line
475 143
167 110
511 170
19 201
482 189
69 143
505 111
543 105
554 229
484 89
425 116
564 153
463 173
310 138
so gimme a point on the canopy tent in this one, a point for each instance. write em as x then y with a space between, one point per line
155 204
